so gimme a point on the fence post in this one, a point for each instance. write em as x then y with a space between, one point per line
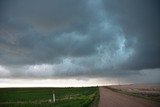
54 99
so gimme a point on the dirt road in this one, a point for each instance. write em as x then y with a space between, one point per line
109 98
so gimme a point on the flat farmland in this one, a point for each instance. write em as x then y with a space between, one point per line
32 97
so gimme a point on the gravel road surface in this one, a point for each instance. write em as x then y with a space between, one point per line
109 98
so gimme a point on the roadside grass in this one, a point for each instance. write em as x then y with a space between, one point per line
40 97
95 101
152 97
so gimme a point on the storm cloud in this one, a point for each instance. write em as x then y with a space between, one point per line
70 38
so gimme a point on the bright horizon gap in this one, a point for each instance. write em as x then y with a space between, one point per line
10 83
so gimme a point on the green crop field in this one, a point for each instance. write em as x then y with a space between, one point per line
42 97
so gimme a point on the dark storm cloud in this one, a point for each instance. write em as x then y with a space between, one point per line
140 20
54 15
23 23
71 38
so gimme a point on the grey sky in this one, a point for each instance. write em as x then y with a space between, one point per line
73 38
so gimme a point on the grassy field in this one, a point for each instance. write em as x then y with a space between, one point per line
40 97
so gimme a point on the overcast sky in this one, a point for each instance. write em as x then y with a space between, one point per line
80 39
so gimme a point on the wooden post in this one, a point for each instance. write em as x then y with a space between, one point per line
54 99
